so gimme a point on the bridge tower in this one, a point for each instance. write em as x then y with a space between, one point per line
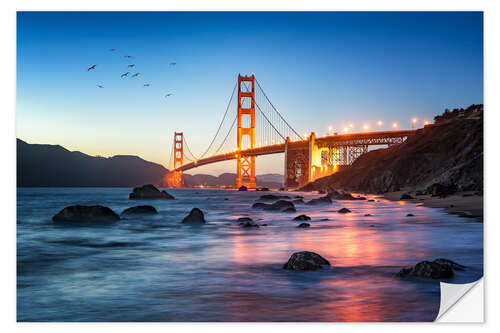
178 149
245 165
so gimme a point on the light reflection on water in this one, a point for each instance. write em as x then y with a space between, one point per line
156 269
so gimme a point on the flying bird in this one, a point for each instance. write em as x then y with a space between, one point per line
146 84
169 94
100 86
112 50
127 56
173 63
131 66
91 67
125 74
136 75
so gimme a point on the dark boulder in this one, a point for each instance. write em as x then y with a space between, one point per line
302 218
409 215
140 210
437 269
260 205
242 188
289 210
272 197
343 211
195 217
441 190
85 214
249 224
371 200
244 219
305 261
368 214
320 201
304 225
149 192
406 196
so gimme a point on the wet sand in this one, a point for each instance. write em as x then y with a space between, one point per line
469 206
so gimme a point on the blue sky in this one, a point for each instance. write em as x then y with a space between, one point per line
320 69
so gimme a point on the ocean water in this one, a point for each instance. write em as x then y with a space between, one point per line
157 269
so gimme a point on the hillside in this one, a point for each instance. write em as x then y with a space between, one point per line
450 153
229 179
54 166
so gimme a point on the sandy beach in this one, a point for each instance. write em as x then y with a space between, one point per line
464 204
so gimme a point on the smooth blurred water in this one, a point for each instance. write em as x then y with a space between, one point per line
157 269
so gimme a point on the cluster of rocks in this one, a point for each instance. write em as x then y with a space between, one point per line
149 192
280 205
82 214
341 195
320 201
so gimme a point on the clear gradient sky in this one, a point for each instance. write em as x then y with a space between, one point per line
320 69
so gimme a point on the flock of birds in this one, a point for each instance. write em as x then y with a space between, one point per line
126 74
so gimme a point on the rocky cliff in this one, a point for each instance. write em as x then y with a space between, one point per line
449 153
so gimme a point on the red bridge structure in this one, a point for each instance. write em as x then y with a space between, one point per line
262 130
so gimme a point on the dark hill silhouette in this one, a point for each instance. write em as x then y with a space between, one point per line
54 166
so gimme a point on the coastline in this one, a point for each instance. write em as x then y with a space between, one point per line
470 206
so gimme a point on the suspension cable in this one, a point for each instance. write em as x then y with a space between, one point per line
227 135
258 107
220 125
171 155
258 84
189 150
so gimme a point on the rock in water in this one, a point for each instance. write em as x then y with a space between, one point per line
271 197
406 196
86 214
344 211
304 225
249 224
289 210
409 215
149 192
320 201
437 269
195 217
302 218
305 261
244 219
140 210
337 195
242 188
278 205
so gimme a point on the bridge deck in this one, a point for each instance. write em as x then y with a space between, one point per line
353 139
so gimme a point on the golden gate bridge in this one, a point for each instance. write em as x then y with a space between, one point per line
260 129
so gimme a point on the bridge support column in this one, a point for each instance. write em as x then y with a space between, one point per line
297 165
245 165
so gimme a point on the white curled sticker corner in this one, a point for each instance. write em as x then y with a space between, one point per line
461 302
